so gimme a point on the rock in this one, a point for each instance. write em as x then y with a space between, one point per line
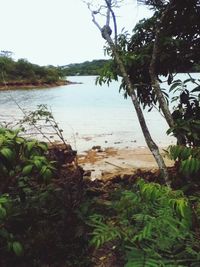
96 147
87 173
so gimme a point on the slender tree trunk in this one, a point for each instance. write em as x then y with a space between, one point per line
152 146
152 71
106 32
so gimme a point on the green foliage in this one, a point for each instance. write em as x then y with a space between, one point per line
22 161
17 248
151 224
38 221
178 48
23 72
186 113
5 236
86 68
188 158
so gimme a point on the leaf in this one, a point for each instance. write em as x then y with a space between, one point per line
38 163
175 84
17 248
43 146
7 153
3 200
19 140
30 145
188 80
2 212
170 79
43 170
196 89
27 169
47 175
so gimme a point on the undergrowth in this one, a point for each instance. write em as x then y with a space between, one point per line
151 225
38 221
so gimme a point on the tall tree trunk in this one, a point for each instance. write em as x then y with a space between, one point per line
152 71
106 32
152 146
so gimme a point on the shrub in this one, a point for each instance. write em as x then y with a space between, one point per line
151 225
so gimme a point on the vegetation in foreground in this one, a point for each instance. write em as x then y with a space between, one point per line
51 216
38 205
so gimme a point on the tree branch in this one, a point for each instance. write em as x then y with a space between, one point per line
106 32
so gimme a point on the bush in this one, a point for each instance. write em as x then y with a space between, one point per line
38 221
151 225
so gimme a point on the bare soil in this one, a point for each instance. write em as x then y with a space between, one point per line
106 163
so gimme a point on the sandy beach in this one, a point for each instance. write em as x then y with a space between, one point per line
100 163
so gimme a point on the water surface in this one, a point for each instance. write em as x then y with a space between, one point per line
88 114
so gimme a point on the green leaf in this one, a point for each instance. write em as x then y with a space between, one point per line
7 153
43 170
37 163
30 145
47 175
17 248
27 169
43 146
2 212
3 200
19 140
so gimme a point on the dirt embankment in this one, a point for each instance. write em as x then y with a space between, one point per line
31 85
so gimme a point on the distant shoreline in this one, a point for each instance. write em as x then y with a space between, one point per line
28 85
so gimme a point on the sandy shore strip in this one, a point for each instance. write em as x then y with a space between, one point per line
103 164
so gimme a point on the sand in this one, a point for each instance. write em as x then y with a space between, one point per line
105 163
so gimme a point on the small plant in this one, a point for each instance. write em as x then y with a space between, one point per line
6 238
41 122
187 158
186 113
38 226
151 225
22 161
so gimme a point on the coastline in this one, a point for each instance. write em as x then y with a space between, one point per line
28 85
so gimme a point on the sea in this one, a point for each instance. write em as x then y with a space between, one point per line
89 114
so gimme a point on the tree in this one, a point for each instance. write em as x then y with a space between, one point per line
161 45
116 54
164 45
25 72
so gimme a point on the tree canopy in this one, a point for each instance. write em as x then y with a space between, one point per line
12 71
178 50
86 68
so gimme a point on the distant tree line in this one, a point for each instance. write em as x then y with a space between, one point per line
22 71
86 68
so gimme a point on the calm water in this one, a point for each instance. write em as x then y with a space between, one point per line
88 114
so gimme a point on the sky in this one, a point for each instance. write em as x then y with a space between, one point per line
58 32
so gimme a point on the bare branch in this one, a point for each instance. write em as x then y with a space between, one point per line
114 19
108 2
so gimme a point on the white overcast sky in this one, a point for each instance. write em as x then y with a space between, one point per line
57 32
